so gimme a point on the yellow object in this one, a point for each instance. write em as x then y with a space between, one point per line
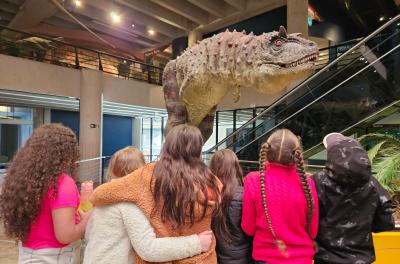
85 206
387 247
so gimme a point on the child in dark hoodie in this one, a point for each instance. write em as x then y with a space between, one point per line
352 204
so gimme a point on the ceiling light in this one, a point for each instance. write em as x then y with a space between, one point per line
133 25
78 3
381 18
151 31
116 18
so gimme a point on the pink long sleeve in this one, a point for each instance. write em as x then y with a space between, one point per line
248 209
287 209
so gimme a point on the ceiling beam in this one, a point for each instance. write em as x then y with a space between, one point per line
138 18
15 2
32 12
100 16
132 38
185 9
5 16
238 4
159 12
9 7
217 8
80 37
253 8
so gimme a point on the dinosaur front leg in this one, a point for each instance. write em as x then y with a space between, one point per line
176 109
206 126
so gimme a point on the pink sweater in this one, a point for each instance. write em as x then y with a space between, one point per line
287 208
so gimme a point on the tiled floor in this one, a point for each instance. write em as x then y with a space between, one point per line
8 249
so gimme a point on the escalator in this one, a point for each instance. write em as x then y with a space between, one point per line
362 81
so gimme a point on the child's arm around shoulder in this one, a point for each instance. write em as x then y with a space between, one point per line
148 246
383 218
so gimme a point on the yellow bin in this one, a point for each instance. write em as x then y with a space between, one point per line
387 247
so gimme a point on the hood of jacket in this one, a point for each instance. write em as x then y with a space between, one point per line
348 163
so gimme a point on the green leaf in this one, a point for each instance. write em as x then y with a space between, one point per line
385 169
373 152
376 138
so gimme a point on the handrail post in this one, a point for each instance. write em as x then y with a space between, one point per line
148 73
100 64
76 58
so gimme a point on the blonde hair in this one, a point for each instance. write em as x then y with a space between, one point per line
125 161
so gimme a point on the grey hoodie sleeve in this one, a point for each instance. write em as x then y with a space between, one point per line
383 218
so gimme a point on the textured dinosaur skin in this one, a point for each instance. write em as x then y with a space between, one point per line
196 81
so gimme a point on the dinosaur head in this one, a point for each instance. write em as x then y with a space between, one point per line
284 59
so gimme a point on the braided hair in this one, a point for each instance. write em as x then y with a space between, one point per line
284 147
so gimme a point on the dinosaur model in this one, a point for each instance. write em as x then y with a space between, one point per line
196 81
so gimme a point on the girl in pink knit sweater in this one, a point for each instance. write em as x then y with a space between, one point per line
280 204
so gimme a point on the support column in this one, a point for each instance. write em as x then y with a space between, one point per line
193 37
90 124
38 117
297 14
137 133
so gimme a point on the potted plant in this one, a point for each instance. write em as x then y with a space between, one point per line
384 154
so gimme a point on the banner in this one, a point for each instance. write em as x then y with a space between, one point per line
153 52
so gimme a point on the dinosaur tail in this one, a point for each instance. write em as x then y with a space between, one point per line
177 113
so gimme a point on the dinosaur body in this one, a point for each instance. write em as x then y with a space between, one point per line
196 82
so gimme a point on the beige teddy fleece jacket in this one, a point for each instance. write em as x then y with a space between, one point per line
115 233
137 188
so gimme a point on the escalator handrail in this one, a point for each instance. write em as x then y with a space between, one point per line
318 98
312 77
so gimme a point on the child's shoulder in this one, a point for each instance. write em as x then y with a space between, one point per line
251 177
65 179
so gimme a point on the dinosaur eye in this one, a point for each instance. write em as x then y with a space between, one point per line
278 42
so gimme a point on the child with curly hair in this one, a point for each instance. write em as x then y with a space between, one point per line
280 204
39 200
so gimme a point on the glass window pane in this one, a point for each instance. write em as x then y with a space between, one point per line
146 137
157 137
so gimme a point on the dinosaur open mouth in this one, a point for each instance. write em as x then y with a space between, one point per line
312 58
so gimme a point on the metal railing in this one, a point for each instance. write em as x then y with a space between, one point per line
44 49
331 63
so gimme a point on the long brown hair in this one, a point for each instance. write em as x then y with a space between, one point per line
284 147
51 150
125 161
183 183
225 165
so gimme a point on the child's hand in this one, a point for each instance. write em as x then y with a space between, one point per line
205 240
84 216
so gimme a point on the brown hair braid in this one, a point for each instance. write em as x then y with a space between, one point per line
299 160
263 158
51 150
284 147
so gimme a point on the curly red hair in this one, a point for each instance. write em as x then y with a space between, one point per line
51 150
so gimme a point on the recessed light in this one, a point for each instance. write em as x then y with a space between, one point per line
133 25
381 18
78 3
116 18
151 31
